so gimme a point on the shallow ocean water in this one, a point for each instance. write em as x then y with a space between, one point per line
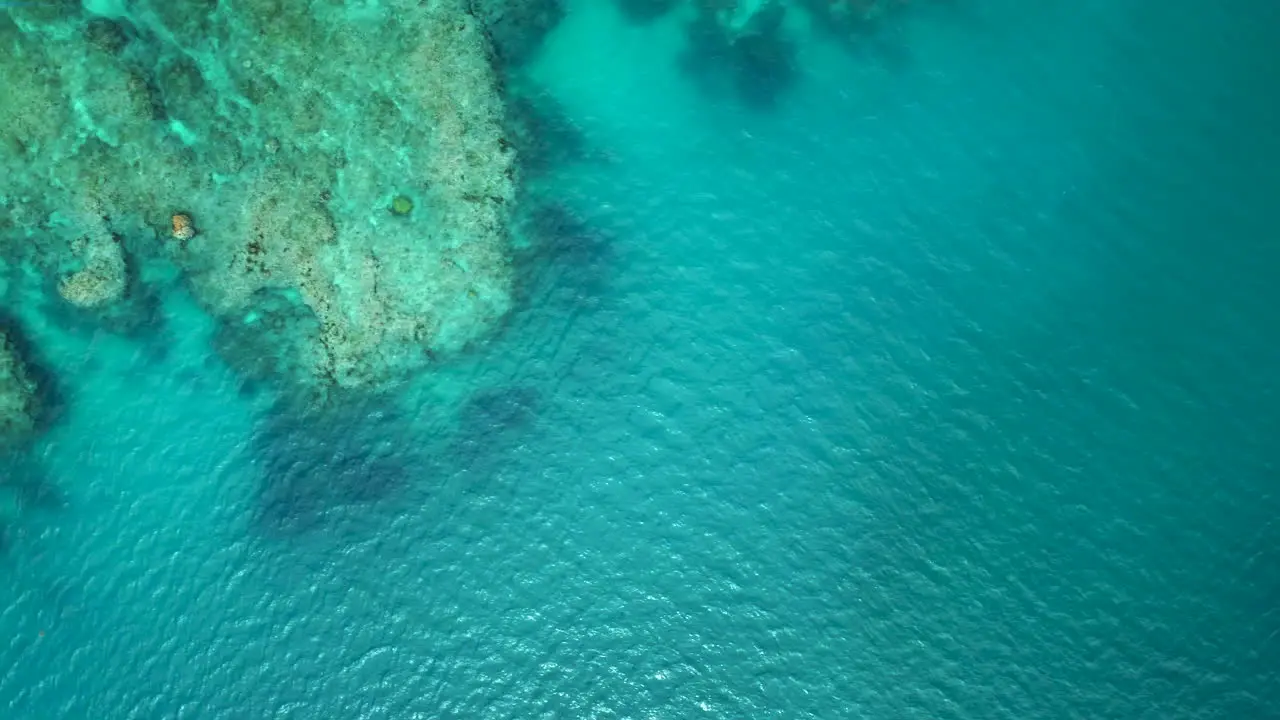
943 388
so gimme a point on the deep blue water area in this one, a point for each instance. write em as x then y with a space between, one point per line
934 375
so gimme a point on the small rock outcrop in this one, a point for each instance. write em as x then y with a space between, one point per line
102 279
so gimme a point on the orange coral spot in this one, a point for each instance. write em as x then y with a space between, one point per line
183 228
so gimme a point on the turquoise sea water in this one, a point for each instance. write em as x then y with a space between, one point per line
945 387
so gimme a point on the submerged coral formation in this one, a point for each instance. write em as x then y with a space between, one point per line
352 165
18 395
288 129
750 49
331 467
101 279
745 44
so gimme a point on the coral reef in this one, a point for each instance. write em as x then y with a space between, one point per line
30 391
865 28
352 165
287 129
386 297
401 205
183 227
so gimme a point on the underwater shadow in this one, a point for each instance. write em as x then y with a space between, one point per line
566 261
497 413
517 30
867 34
268 351
332 480
28 482
642 12
335 469
25 489
544 136
756 65
51 400
490 425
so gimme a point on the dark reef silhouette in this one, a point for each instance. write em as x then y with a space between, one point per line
544 136
344 474
491 424
492 413
566 257
27 480
645 11
317 468
863 34
137 316
25 489
50 400
518 29
267 350
756 64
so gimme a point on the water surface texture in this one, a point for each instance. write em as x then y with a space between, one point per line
926 369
